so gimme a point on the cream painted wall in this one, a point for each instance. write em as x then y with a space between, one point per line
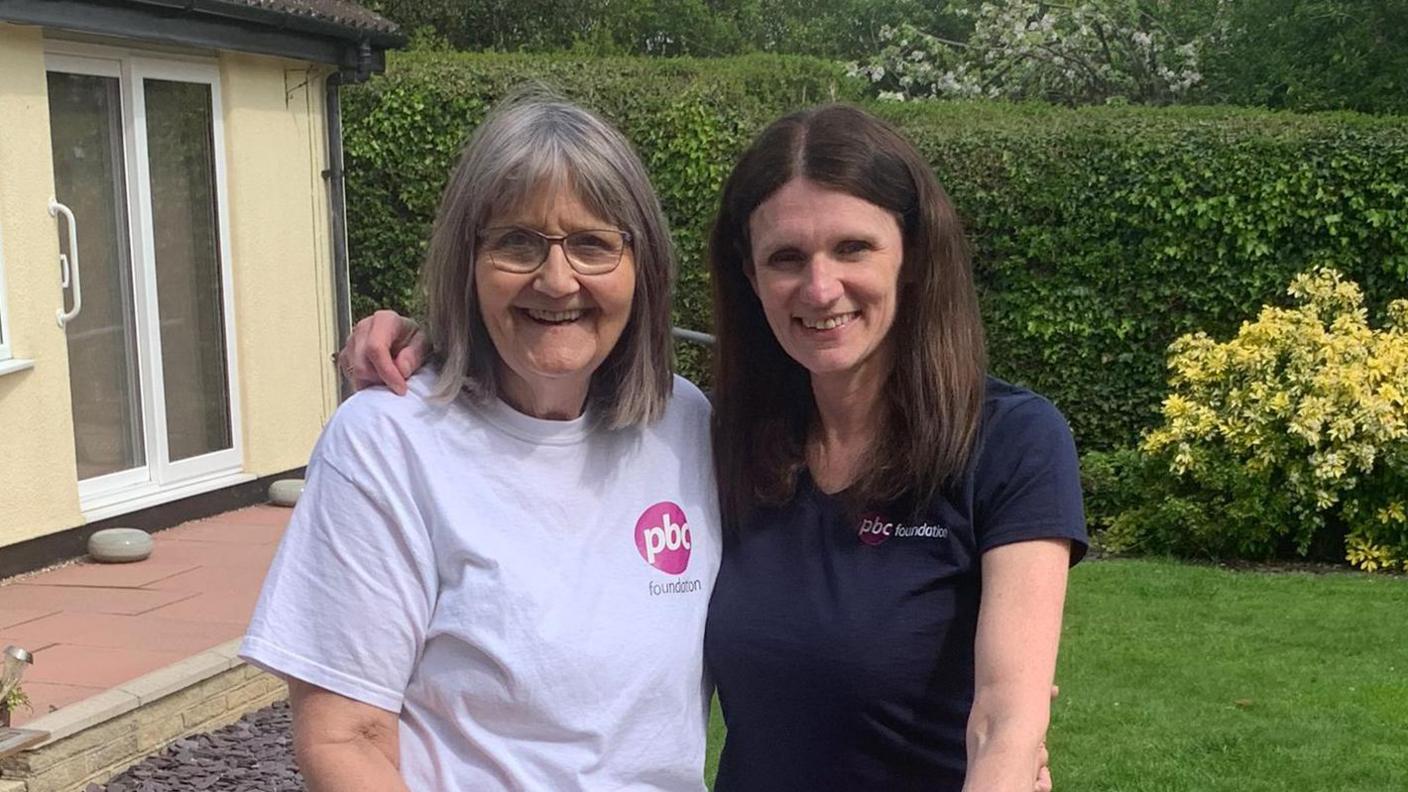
38 493
279 259
281 255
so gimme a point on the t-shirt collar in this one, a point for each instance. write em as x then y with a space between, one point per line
537 430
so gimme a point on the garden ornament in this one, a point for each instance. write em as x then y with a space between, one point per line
13 740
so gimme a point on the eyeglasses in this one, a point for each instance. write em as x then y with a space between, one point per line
523 250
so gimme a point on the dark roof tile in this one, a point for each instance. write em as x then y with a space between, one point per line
344 13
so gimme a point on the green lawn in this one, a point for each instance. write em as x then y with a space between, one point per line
1180 677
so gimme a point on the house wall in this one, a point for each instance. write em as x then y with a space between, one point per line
279 259
38 493
280 241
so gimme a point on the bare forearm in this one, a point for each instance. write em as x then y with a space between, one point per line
1003 751
349 767
1019 626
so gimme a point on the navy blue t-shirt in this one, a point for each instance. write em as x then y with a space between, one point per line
842 647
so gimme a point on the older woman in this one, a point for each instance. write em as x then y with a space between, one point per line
501 581
889 604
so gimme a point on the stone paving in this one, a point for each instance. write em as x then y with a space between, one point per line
94 626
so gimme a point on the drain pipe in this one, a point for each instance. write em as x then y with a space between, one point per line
337 197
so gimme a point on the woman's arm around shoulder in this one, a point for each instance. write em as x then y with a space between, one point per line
383 349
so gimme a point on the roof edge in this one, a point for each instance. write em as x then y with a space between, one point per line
391 38
170 22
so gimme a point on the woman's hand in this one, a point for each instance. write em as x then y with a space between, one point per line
384 349
1043 772
1043 757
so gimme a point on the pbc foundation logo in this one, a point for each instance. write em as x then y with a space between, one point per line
874 529
663 538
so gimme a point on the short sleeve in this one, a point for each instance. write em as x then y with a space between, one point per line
1027 480
347 601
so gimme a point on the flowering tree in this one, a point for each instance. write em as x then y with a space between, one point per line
1078 53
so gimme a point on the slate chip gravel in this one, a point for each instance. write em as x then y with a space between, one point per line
254 754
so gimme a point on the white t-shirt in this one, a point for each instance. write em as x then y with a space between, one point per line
528 595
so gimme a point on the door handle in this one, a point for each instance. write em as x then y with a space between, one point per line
68 265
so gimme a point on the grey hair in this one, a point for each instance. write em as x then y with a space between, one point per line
529 143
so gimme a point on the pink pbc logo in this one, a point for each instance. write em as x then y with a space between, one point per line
662 537
874 530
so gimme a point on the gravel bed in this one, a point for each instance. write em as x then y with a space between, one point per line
254 754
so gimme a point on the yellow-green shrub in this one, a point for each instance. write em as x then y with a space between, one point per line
1295 429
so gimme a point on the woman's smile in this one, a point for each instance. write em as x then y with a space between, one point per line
829 324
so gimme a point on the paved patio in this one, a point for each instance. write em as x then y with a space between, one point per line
93 626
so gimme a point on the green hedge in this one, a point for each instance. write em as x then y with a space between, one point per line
1103 234
1100 234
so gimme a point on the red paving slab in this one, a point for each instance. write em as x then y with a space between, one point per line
115 631
96 666
214 530
93 626
213 554
233 578
32 594
45 697
90 574
257 515
20 638
12 616
228 607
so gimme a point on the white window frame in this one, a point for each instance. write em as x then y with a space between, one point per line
161 479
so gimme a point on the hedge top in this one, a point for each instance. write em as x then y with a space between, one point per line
1100 234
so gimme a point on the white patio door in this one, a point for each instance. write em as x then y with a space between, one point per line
137 150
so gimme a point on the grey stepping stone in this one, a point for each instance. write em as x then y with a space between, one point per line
120 545
285 492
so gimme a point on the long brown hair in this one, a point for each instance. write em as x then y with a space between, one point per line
933 397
